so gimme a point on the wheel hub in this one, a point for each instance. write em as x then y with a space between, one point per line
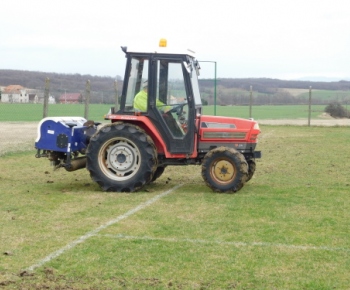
223 170
121 158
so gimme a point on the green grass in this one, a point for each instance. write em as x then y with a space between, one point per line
34 112
267 112
288 228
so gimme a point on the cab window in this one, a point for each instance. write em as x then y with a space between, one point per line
137 78
171 96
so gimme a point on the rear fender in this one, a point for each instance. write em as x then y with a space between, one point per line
145 123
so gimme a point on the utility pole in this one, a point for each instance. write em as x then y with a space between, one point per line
250 102
309 117
87 100
215 84
46 97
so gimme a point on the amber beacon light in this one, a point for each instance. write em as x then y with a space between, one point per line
162 42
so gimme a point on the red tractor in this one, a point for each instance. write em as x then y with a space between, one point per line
159 124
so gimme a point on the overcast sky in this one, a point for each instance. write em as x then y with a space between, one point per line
285 39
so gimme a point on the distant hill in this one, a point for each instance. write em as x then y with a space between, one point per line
321 79
229 90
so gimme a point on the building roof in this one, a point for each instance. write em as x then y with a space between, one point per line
71 97
13 89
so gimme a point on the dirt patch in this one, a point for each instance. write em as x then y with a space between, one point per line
16 136
327 122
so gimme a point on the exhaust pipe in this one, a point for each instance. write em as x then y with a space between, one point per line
75 164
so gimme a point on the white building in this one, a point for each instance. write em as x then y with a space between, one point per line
19 94
52 100
15 94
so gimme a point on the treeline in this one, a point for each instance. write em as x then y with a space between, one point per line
266 90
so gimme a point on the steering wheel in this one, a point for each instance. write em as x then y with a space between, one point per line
178 109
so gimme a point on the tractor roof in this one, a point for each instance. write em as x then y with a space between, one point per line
161 49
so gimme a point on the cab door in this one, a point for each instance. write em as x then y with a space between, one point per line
171 106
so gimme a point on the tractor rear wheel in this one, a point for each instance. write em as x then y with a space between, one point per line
224 170
121 157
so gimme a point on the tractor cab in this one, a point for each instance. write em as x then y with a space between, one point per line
163 86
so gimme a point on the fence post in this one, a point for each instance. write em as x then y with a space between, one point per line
46 97
250 102
309 117
87 100
116 95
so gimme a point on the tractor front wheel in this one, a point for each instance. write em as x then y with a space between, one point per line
251 169
224 170
159 171
121 157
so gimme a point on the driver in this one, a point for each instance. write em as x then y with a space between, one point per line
140 100
140 104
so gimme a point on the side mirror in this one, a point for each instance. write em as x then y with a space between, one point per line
187 66
196 64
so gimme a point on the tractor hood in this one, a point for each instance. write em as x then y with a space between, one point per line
217 131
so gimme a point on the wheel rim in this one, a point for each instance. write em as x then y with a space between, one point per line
223 171
119 159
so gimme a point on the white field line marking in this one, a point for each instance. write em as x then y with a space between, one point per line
100 228
236 244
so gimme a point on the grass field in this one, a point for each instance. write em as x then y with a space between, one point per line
267 112
34 112
288 228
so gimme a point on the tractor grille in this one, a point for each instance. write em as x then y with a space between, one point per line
224 135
